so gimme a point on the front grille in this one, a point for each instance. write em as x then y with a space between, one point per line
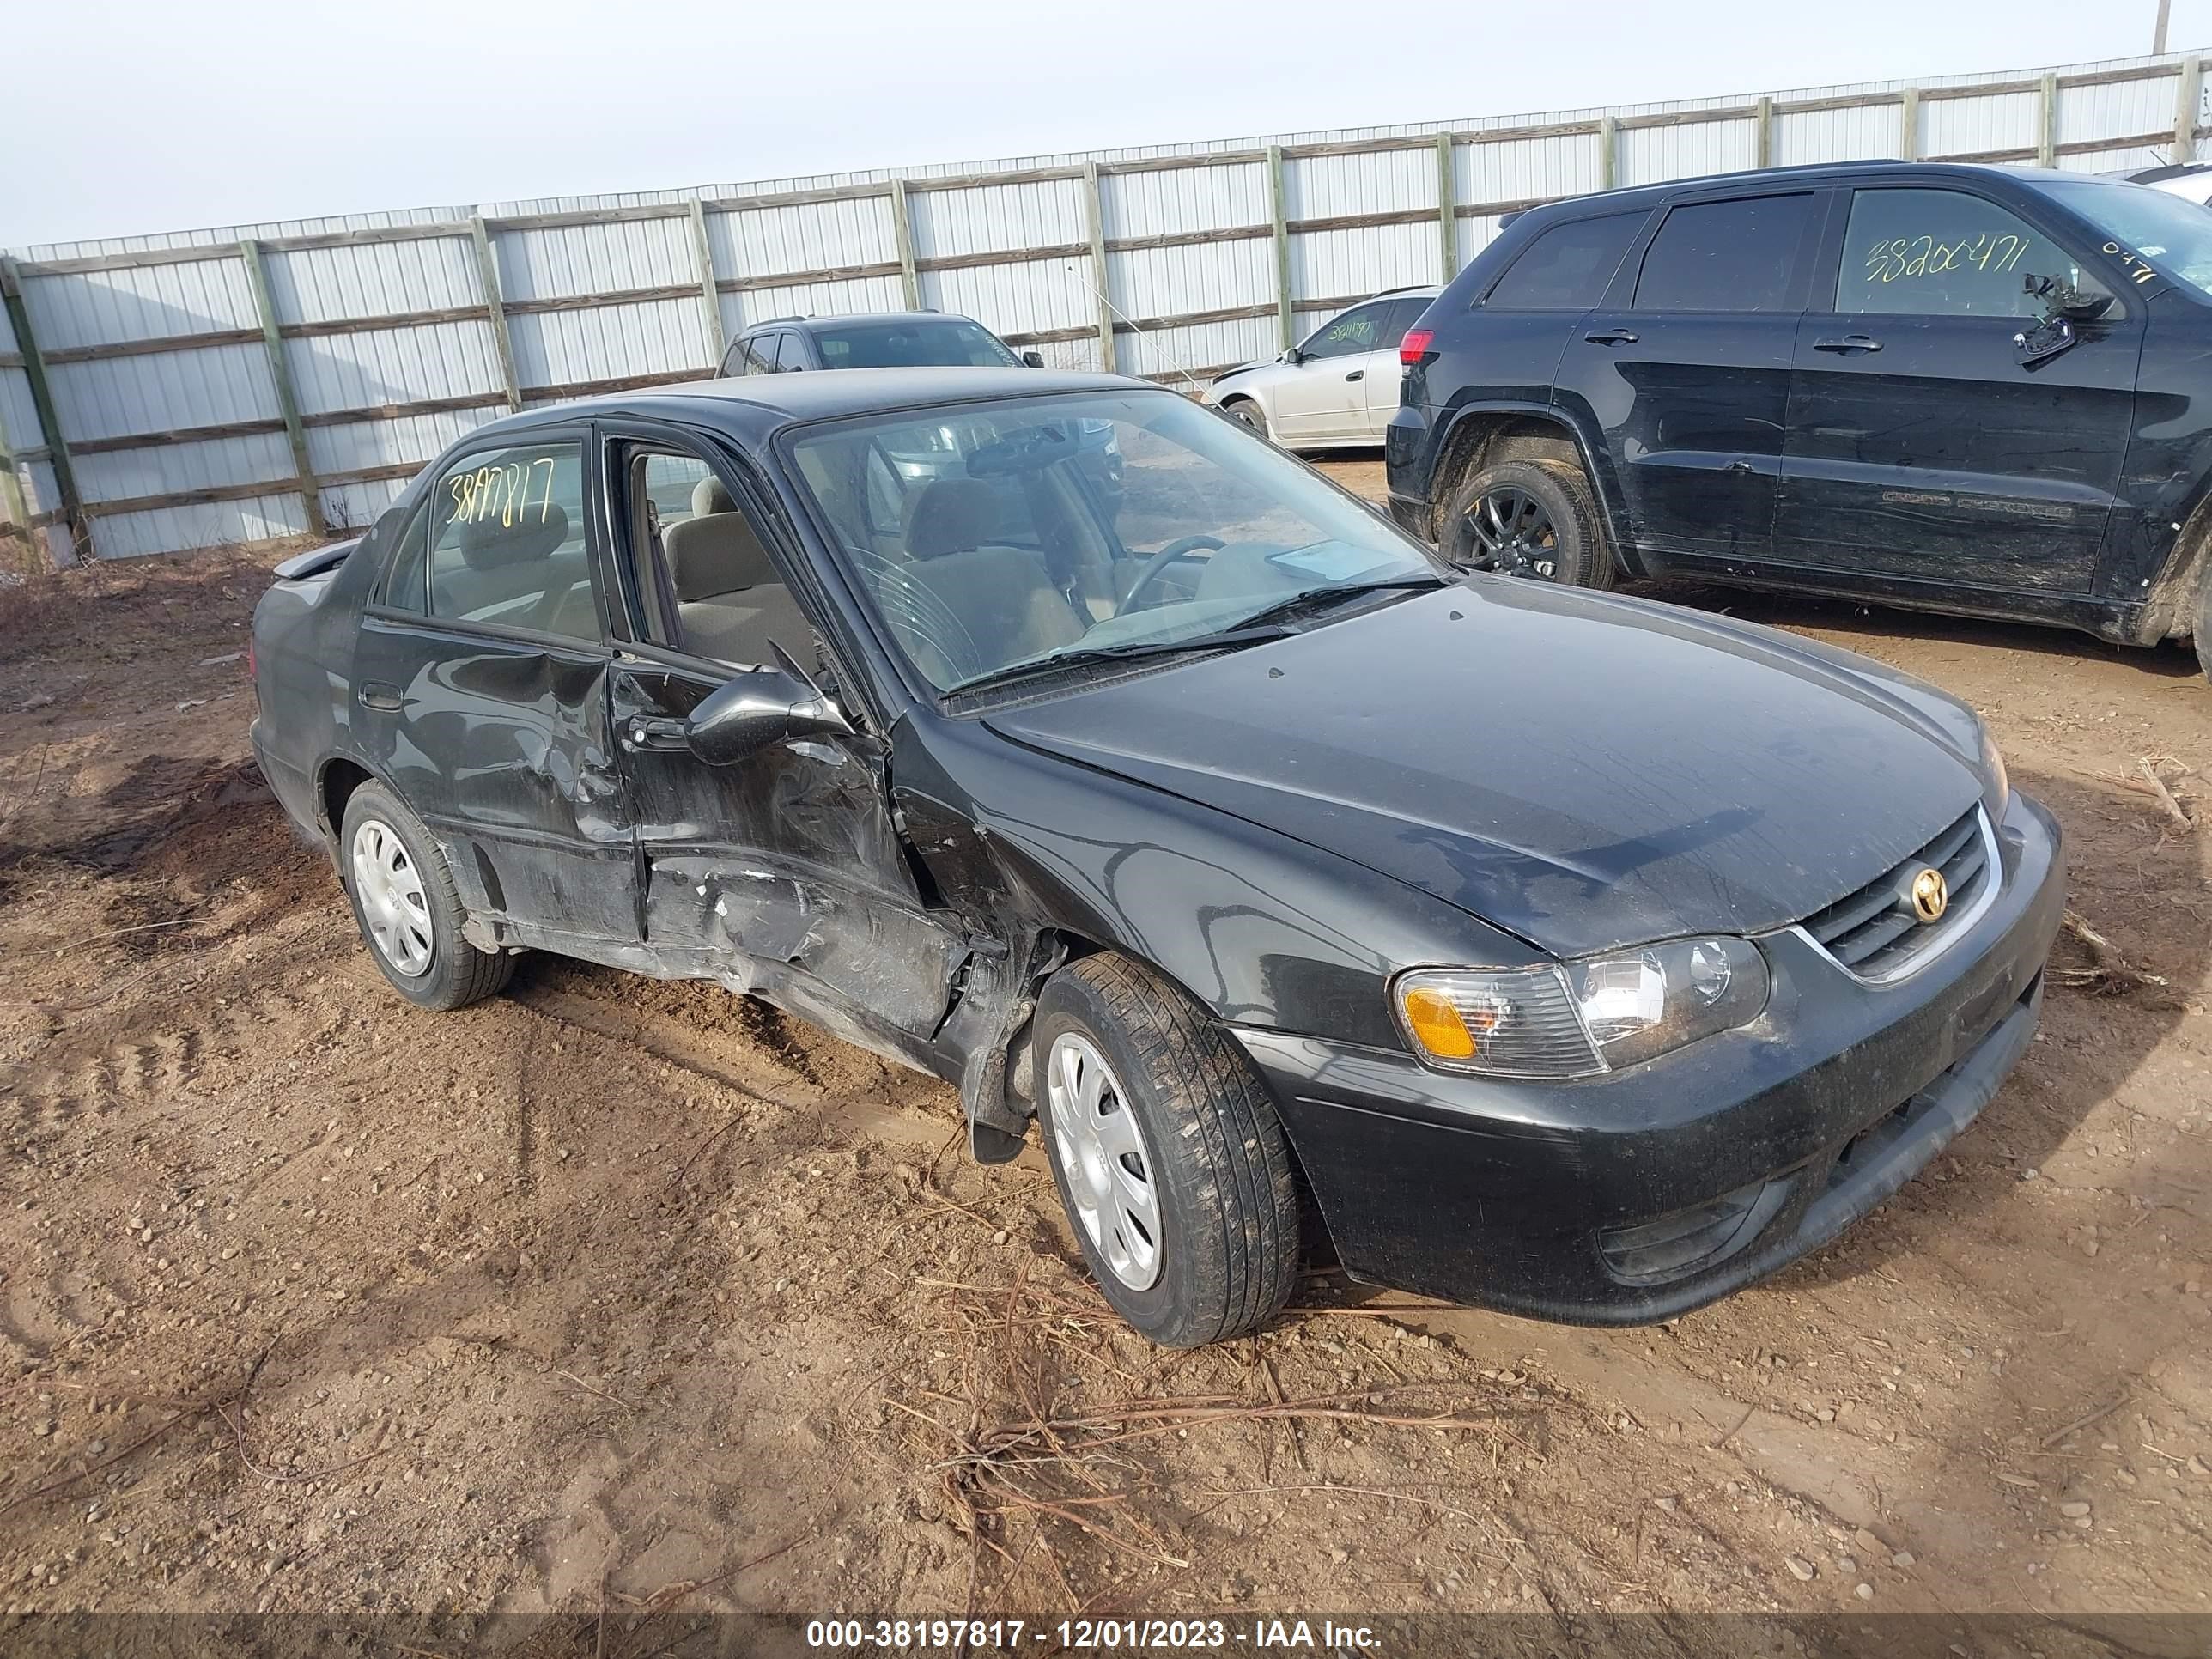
1874 933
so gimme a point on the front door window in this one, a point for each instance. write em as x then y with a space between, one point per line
1945 254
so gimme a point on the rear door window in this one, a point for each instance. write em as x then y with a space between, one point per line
1568 267
1945 254
1741 255
792 355
757 353
507 544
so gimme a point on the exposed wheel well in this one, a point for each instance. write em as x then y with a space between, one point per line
1483 441
2169 612
1063 948
340 779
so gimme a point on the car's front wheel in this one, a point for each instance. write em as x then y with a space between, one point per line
404 902
1533 519
1167 1153
1246 414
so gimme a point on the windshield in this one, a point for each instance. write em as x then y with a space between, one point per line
994 537
2173 233
943 340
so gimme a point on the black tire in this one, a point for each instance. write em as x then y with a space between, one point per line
456 973
1561 539
1246 413
1213 1153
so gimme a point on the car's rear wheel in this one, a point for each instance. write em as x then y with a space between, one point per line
403 900
1530 519
1167 1153
1246 413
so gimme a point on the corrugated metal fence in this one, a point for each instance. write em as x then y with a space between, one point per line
239 386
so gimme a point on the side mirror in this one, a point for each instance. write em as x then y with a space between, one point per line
743 715
1294 356
1033 359
2062 300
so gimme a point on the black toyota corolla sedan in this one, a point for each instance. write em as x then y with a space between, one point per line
1586 957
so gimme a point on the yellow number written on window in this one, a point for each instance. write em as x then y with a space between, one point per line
502 492
1899 259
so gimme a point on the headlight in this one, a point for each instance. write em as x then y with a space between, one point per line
1580 1018
1996 784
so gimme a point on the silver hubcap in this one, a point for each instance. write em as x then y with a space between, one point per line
1103 1156
392 903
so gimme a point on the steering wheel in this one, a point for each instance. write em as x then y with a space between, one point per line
1160 560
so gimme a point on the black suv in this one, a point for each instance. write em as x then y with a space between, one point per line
1979 390
886 339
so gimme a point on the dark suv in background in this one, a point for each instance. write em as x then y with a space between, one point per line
886 339
1971 389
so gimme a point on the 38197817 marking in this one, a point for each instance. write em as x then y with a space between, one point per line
501 492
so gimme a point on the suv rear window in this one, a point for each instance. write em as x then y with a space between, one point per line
1568 267
1726 256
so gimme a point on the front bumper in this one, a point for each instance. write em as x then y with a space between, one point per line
1641 1194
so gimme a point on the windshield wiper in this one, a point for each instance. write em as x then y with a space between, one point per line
1227 640
1316 599
1270 623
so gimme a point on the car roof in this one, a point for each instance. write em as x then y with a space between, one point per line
1613 201
809 325
760 401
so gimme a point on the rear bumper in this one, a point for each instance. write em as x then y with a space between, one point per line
1407 443
294 789
1640 1195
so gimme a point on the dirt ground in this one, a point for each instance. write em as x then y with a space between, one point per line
612 1293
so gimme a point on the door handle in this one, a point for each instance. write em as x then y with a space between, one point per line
1741 465
1611 337
655 732
1849 343
1356 373
375 695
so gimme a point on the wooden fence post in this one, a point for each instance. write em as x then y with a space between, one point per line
1447 208
1094 222
2046 123
487 278
1763 141
903 231
287 400
2185 103
42 405
1608 152
1284 322
710 291
1908 115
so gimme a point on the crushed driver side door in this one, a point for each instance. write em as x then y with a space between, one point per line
782 873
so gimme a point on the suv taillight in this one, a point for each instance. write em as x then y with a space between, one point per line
1415 345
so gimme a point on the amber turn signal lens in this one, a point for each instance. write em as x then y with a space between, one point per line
1437 1025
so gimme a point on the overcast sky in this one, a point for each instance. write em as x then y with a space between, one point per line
129 116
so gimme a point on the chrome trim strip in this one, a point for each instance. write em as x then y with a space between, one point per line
1935 940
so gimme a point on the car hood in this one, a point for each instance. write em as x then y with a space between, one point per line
1246 374
1583 770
